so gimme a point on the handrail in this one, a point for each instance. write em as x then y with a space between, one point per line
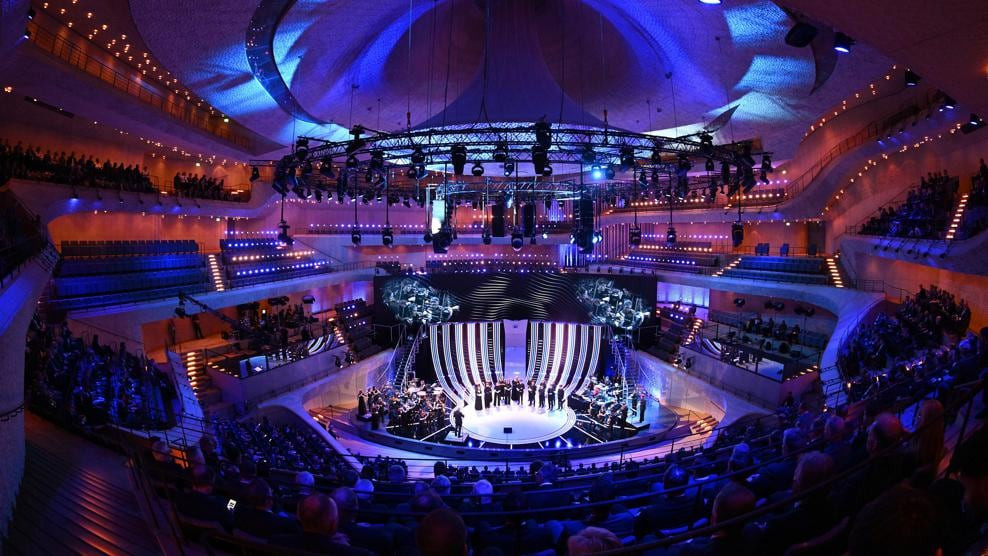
187 112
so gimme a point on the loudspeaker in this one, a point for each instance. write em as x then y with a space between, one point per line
497 220
508 430
583 212
737 234
528 219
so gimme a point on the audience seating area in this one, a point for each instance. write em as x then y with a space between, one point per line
98 273
924 214
87 384
803 270
673 258
21 236
256 261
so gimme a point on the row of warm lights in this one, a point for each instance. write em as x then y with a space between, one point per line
252 244
873 163
872 91
252 233
280 268
697 323
834 272
143 63
286 254
958 215
660 260
516 263
702 199
690 236
485 256
677 248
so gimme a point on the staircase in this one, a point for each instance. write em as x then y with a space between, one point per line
210 398
64 509
704 425
215 272
958 217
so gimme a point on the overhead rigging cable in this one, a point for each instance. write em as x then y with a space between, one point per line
449 54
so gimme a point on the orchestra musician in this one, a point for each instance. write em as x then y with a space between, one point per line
531 392
560 396
487 395
458 422
542 395
478 397
552 399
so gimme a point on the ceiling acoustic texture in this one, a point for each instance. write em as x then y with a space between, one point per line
317 68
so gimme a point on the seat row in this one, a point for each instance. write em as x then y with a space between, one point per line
82 286
117 265
809 265
118 248
122 298
772 276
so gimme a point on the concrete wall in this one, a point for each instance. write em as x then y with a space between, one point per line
17 304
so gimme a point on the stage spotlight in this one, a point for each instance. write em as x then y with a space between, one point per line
635 236
627 157
420 171
355 236
540 158
588 155
255 174
283 236
547 171
509 167
739 302
427 237
458 157
912 79
301 148
609 172
543 134
737 234
517 240
596 172
27 33
369 176
710 2
709 165
500 152
30 14
442 240
387 236
842 42
671 235
417 157
377 159
352 162
326 167
948 103
597 236
477 169
974 120
485 236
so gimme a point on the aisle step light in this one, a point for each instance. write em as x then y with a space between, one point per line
958 215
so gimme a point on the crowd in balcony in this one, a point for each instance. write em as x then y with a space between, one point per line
926 337
88 384
188 184
31 162
924 214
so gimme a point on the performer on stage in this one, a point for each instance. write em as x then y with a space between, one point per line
642 399
361 404
531 392
542 395
478 397
552 398
488 395
560 396
457 422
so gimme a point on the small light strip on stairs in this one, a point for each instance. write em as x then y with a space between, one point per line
733 264
697 323
834 272
958 214
214 269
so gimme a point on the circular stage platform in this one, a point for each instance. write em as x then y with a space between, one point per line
528 425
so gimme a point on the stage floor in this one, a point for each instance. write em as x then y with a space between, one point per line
529 424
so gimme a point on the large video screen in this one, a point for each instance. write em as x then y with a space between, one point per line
623 302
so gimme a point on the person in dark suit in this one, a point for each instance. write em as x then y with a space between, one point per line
549 394
200 503
516 535
543 496
442 532
531 392
319 519
642 401
542 395
777 476
487 395
812 516
673 509
560 396
253 514
732 502
379 539
457 422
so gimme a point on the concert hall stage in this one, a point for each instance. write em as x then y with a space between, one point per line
529 425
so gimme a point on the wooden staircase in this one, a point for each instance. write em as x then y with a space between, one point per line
64 509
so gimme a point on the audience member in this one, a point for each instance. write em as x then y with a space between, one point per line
591 541
319 519
442 533
900 522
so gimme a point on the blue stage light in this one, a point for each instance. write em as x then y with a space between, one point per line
596 172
